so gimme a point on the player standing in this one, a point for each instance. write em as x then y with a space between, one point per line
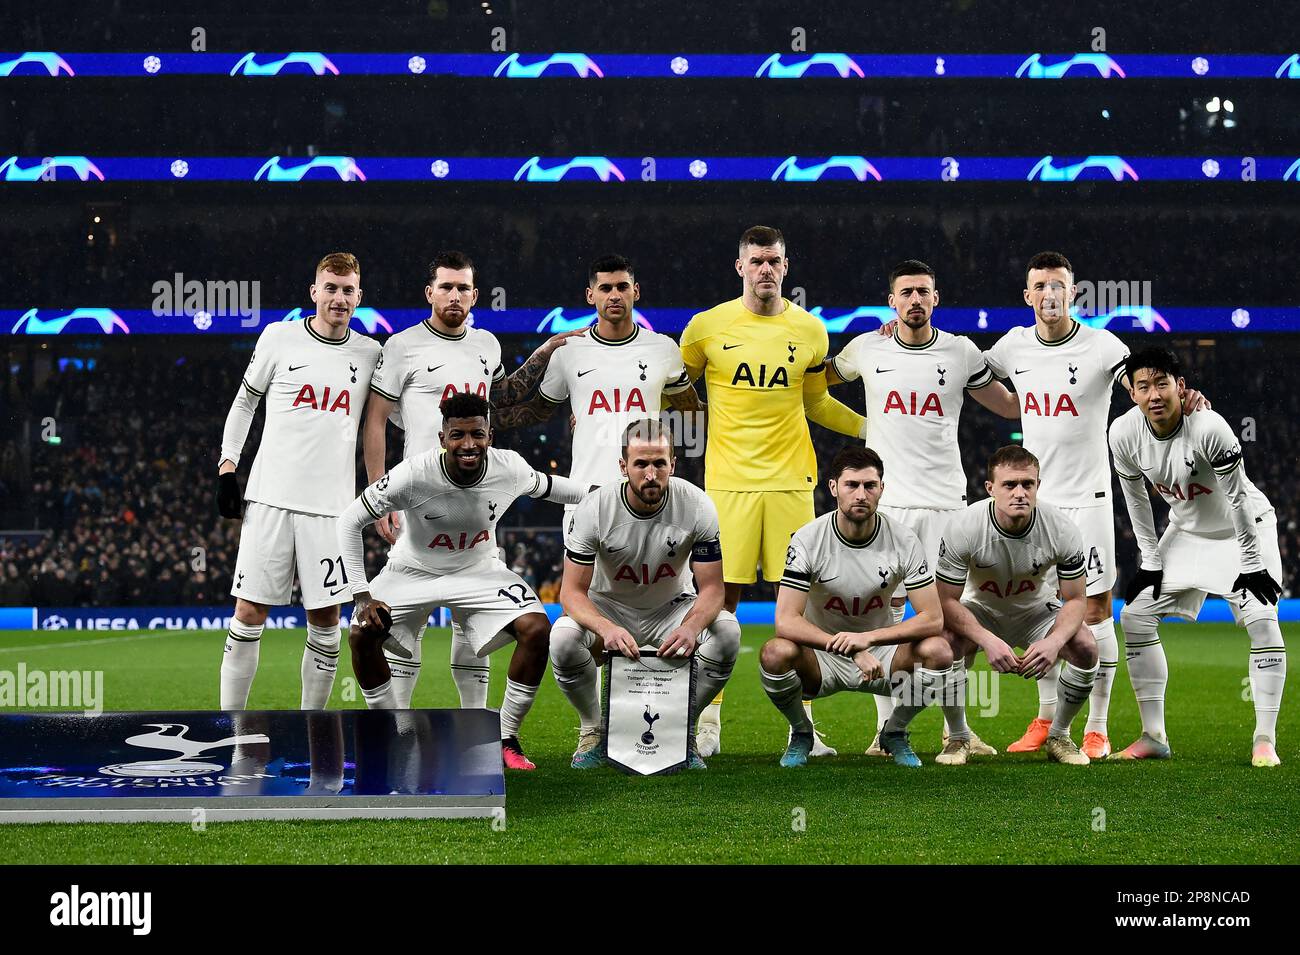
763 361
312 374
1221 539
834 626
915 382
627 585
451 501
420 368
997 588
616 373
1064 372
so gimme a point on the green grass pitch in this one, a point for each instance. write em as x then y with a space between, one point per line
1207 805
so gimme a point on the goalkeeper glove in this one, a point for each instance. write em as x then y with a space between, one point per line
1141 580
230 503
1261 584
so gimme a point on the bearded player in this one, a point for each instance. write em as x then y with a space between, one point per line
627 583
1221 539
420 368
312 375
916 382
834 626
762 358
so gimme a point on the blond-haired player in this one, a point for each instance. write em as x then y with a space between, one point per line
313 375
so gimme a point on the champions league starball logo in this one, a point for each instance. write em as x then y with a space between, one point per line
171 737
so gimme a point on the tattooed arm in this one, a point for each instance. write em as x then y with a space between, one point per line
525 414
687 400
514 389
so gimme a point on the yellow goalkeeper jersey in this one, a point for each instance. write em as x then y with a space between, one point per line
754 368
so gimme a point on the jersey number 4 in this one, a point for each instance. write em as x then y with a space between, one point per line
1094 563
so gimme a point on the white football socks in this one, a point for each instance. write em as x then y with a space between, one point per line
1047 693
320 663
381 697
1108 663
954 701
518 701
239 663
576 672
715 659
1075 686
1267 674
1148 671
785 690
405 672
469 671
914 693
885 704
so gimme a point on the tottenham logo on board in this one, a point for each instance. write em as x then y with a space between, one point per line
171 737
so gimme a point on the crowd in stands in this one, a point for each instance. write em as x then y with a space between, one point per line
120 511
536 256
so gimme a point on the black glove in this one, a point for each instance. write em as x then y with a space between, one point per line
1261 584
230 503
1141 580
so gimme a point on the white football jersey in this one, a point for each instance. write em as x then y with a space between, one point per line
449 527
607 384
314 390
850 585
1064 389
914 399
421 367
1009 574
641 560
1188 469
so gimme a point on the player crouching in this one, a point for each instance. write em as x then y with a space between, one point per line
1002 552
626 584
451 500
835 628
